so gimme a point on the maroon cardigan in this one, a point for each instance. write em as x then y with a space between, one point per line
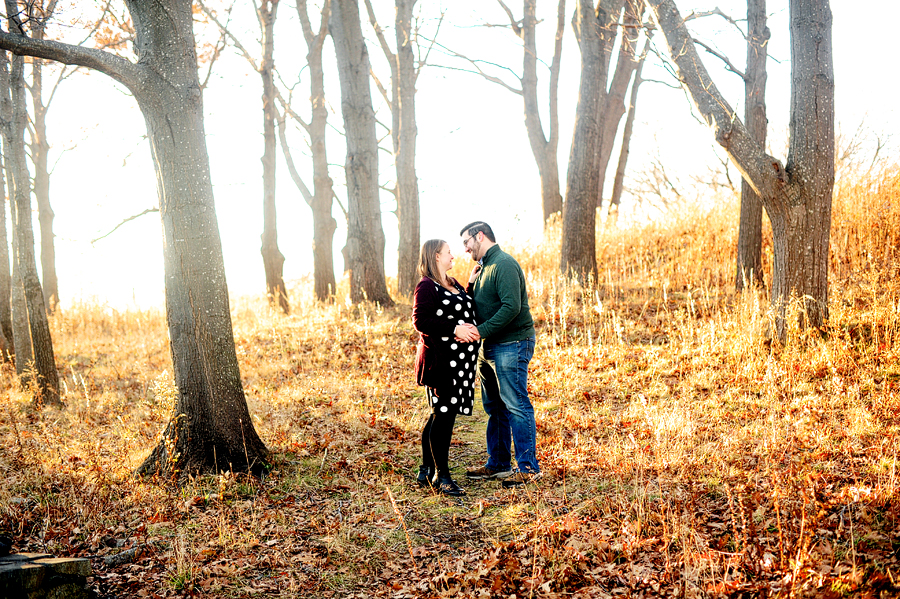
432 366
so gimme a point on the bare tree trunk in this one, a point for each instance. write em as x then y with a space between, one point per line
211 427
544 149
797 196
749 246
39 151
46 378
273 259
21 333
365 235
612 215
321 200
614 106
404 138
6 333
595 29
810 162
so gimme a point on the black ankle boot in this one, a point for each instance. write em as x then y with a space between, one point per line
426 476
447 486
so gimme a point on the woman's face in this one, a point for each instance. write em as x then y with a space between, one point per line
445 258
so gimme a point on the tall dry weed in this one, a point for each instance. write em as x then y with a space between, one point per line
683 454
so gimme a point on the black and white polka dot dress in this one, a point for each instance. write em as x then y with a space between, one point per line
458 393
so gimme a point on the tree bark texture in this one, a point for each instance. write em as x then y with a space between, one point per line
615 200
6 323
595 29
613 108
797 196
543 147
6 346
45 380
40 148
404 134
321 200
365 234
273 259
403 137
211 426
20 336
749 245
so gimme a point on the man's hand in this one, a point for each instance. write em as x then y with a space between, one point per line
466 333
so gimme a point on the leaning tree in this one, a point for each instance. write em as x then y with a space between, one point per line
797 195
211 427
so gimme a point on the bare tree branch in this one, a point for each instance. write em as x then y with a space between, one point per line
554 72
716 12
764 173
381 88
424 61
129 219
723 58
286 105
124 71
379 33
478 70
516 25
220 45
224 29
288 158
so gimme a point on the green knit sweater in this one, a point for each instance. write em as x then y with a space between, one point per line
501 300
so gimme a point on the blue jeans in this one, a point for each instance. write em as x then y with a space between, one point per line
503 370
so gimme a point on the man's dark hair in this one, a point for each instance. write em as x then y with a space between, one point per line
479 225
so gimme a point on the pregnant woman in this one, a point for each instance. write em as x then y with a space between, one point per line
445 360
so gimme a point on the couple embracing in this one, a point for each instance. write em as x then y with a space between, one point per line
483 330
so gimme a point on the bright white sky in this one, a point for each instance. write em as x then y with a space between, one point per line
473 157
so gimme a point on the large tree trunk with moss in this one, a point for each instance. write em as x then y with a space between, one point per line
210 427
365 234
595 30
749 245
273 259
798 195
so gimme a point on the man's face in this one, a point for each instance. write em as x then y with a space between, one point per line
472 243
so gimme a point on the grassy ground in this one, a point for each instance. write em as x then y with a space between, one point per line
685 455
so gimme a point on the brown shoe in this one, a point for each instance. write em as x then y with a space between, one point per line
520 478
485 473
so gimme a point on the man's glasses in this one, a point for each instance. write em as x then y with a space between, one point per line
468 239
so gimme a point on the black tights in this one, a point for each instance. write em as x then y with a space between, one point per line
436 441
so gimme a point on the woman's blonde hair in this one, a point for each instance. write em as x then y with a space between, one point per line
428 259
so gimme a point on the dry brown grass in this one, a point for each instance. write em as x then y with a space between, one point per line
684 455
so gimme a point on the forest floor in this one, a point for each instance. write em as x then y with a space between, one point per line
685 454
